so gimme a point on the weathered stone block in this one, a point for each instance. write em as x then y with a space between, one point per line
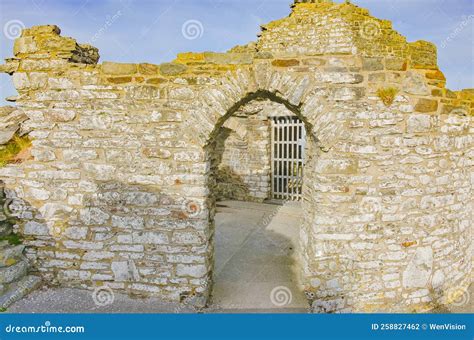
414 83
285 62
396 64
171 69
118 68
426 105
60 115
199 270
418 271
148 69
10 255
372 64
92 216
24 45
127 222
418 123
14 272
35 228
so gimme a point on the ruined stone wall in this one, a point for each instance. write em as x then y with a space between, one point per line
244 171
121 183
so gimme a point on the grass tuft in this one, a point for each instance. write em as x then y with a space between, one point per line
387 95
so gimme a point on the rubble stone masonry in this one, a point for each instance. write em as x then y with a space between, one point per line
121 186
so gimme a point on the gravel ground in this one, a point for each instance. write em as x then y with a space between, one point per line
72 300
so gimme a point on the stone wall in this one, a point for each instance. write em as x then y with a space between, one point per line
244 171
122 183
15 282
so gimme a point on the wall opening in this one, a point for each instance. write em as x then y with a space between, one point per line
257 222
288 141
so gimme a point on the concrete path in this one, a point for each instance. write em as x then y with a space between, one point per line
256 263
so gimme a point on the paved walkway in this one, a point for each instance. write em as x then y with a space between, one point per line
256 257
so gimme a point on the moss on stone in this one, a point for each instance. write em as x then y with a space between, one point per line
13 239
14 148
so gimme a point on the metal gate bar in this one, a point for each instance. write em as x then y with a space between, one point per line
288 138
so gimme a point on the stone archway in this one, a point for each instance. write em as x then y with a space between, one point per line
307 204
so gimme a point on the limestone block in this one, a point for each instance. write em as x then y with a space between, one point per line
38 194
35 228
414 83
91 216
38 79
418 271
20 81
102 172
150 237
60 115
98 255
186 237
172 69
76 233
127 222
54 210
199 270
43 155
125 270
24 45
438 279
418 123
83 245
285 62
426 105
10 255
118 68
148 69
396 64
372 64
14 272
41 30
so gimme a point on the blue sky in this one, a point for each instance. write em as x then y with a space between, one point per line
151 31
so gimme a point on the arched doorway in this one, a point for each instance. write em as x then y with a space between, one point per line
256 193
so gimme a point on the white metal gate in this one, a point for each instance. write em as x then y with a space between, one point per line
288 147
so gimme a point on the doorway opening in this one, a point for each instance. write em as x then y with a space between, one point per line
288 148
256 182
